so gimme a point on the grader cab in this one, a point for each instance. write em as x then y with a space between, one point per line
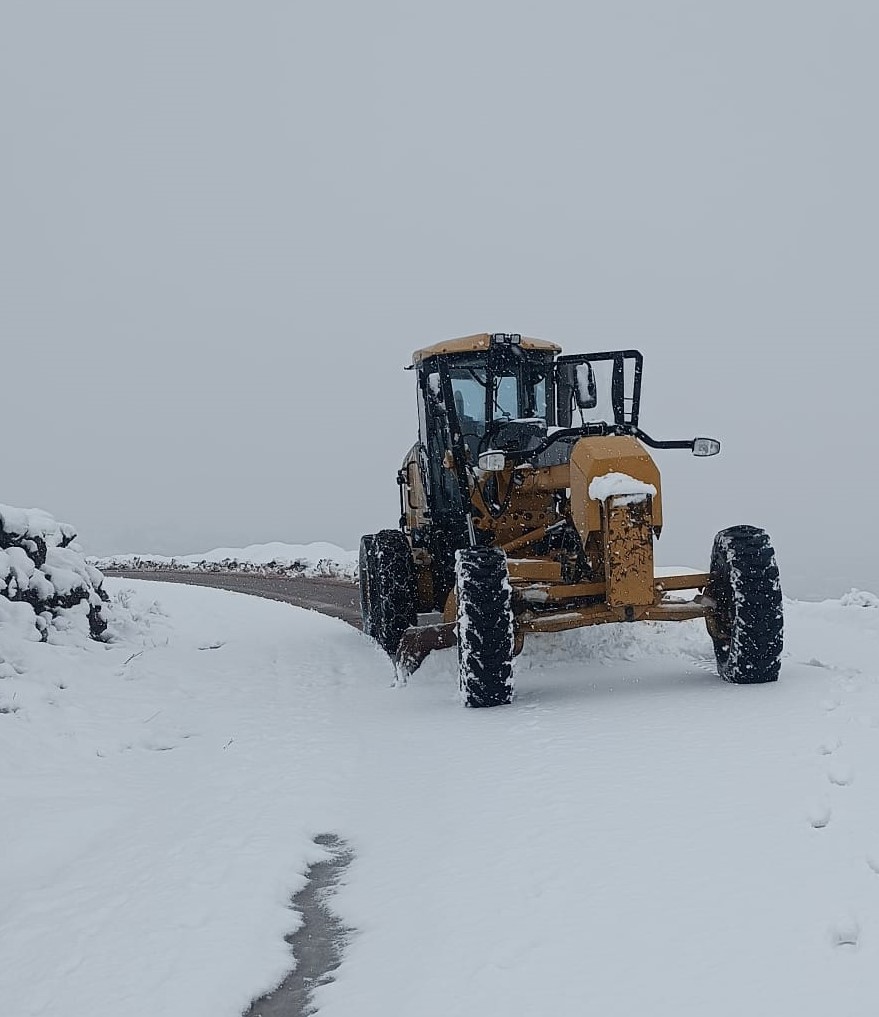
530 503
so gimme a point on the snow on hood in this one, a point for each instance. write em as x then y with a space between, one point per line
622 486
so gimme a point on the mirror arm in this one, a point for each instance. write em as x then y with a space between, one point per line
596 430
696 445
655 443
599 430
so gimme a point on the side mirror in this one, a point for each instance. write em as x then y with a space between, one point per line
492 462
585 391
705 446
576 384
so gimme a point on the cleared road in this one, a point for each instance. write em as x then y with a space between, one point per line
338 598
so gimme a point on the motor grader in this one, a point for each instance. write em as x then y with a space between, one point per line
530 503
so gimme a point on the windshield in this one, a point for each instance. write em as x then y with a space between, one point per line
517 394
468 387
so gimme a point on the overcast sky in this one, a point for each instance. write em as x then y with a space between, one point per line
225 227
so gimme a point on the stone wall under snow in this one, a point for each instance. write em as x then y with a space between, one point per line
275 559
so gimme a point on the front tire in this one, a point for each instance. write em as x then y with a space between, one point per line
387 588
484 627
746 622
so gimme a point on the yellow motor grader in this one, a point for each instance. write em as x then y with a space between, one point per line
530 503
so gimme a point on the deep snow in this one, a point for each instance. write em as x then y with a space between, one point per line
631 836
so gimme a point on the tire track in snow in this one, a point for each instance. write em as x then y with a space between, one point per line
318 943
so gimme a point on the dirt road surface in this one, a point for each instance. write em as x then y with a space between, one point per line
338 598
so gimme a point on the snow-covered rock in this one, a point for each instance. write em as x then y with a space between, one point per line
46 585
859 598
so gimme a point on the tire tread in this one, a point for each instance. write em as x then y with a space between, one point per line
485 627
747 625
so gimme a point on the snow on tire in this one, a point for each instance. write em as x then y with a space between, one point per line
387 588
484 627
747 623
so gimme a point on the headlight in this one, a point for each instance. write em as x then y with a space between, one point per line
705 446
492 462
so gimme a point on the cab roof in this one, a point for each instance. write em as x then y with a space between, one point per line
476 343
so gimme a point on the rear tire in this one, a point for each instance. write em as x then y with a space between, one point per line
366 571
484 627
747 623
387 588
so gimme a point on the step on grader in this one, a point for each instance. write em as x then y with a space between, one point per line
530 503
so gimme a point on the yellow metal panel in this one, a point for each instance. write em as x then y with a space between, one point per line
675 612
552 592
596 457
599 614
531 537
546 478
415 502
423 579
697 581
628 553
476 343
575 618
535 569
527 510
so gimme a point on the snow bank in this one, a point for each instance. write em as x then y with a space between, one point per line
47 588
859 598
275 558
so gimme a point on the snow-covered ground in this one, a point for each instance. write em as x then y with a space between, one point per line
316 559
631 836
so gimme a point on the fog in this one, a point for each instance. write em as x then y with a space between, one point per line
225 227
